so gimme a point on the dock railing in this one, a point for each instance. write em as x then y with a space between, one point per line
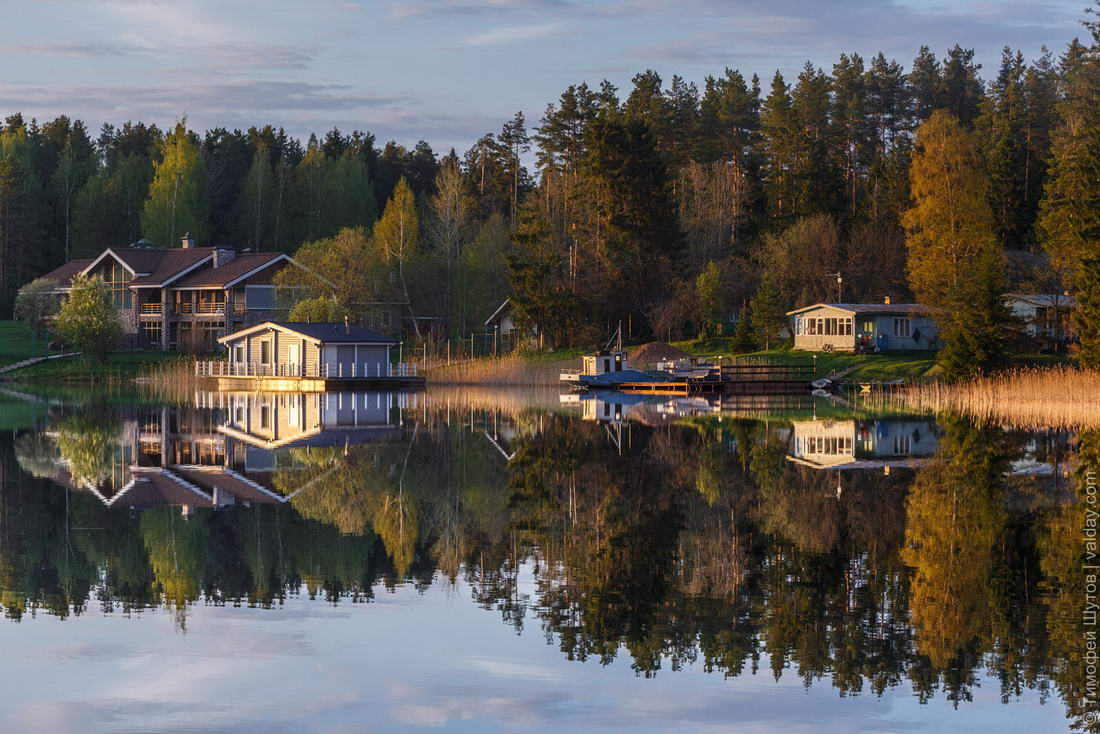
324 370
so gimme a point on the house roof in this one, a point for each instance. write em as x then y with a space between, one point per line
163 266
323 332
243 264
64 274
906 309
1043 299
500 308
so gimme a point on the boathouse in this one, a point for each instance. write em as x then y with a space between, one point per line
290 355
864 327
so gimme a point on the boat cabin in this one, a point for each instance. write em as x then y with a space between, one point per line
604 362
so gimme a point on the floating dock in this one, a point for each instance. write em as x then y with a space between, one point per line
754 379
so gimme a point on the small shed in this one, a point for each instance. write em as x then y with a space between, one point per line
864 327
298 349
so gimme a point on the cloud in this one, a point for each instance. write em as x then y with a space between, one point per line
510 34
230 54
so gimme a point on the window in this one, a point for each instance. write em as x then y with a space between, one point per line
238 353
260 297
118 280
902 326
868 327
265 352
151 333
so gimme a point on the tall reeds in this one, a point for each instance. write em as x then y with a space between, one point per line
494 371
1058 397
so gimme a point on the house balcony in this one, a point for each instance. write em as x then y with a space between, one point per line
187 308
150 309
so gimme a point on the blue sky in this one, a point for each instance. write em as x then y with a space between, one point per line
447 70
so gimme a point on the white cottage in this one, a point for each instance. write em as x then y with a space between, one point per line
864 327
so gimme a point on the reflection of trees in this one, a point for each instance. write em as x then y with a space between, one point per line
88 441
1061 547
955 515
700 543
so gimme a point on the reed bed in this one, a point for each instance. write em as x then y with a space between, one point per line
176 380
1058 397
508 400
510 370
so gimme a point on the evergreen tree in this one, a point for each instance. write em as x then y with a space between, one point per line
1069 216
743 340
779 136
1086 316
177 202
768 313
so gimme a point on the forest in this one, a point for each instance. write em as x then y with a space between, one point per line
670 206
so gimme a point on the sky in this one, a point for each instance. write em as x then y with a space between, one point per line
448 70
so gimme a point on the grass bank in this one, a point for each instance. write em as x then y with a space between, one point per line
118 367
17 343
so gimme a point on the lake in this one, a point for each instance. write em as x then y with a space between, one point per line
482 561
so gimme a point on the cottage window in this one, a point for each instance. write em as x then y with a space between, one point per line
902 326
868 327
118 280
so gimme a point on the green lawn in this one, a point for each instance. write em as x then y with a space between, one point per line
16 343
119 366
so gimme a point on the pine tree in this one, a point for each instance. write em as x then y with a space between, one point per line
1086 316
177 202
768 315
743 340
1069 216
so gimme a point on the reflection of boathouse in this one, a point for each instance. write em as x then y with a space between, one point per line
863 444
227 450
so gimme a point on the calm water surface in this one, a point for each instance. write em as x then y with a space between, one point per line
499 562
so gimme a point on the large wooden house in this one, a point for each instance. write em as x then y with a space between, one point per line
186 297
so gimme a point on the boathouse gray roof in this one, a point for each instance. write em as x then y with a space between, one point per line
326 332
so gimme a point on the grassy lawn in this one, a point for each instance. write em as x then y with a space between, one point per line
119 366
16 343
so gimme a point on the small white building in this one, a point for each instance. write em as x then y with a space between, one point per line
1045 315
867 327
296 349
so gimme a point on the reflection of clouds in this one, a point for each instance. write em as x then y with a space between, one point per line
514 669
586 704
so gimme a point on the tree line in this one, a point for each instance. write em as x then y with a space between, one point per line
667 207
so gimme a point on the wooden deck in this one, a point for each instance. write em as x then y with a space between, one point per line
314 378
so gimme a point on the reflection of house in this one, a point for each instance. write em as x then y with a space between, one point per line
184 297
1045 315
846 327
862 444
278 420
229 449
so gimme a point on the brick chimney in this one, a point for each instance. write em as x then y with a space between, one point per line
187 242
222 255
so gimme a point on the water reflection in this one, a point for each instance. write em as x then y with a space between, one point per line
868 554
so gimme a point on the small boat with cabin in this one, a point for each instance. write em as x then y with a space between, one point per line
608 369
